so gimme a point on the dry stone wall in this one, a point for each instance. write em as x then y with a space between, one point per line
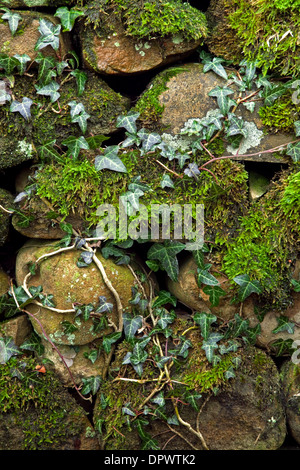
163 347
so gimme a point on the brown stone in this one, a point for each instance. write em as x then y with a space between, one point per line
18 328
25 41
120 54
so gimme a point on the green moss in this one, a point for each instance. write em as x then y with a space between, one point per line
281 115
267 239
36 407
268 33
151 19
148 104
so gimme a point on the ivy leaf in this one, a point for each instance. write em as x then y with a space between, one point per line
8 63
296 285
110 160
184 347
150 141
60 66
95 141
166 254
247 286
128 122
47 150
214 292
205 277
210 345
46 64
68 17
22 59
164 297
81 119
76 108
165 318
240 325
271 93
192 170
13 19
284 324
297 128
49 35
104 306
131 324
7 349
23 108
166 182
75 144
91 385
216 66
109 340
49 90
130 200
33 343
236 126
204 320
222 93
294 151
193 398
81 78
136 183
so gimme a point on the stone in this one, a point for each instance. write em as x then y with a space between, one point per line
4 282
247 413
120 54
289 372
6 205
60 276
27 35
18 328
187 291
185 97
75 358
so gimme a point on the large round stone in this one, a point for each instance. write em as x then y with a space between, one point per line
60 276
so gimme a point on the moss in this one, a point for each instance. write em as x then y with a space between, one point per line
148 104
268 240
262 31
36 407
151 19
281 115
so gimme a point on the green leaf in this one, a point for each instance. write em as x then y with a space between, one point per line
240 325
46 64
7 349
81 119
13 19
205 320
205 277
216 66
91 385
214 292
47 150
110 160
210 345
166 181
193 398
76 108
236 126
284 324
95 141
222 93
296 285
297 128
109 340
247 286
150 141
294 151
165 318
104 306
49 35
131 324
164 297
23 108
68 17
23 59
271 93
75 144
49 90
137 184
166 255
8 63
33 343
128 122
81 78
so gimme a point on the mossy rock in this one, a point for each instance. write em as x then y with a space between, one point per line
20 137
264 31
7 202
38 413
60 276
290 376
234 417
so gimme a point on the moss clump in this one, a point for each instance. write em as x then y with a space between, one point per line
281 115
148 105
268 240
150 19
36 411
262 31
